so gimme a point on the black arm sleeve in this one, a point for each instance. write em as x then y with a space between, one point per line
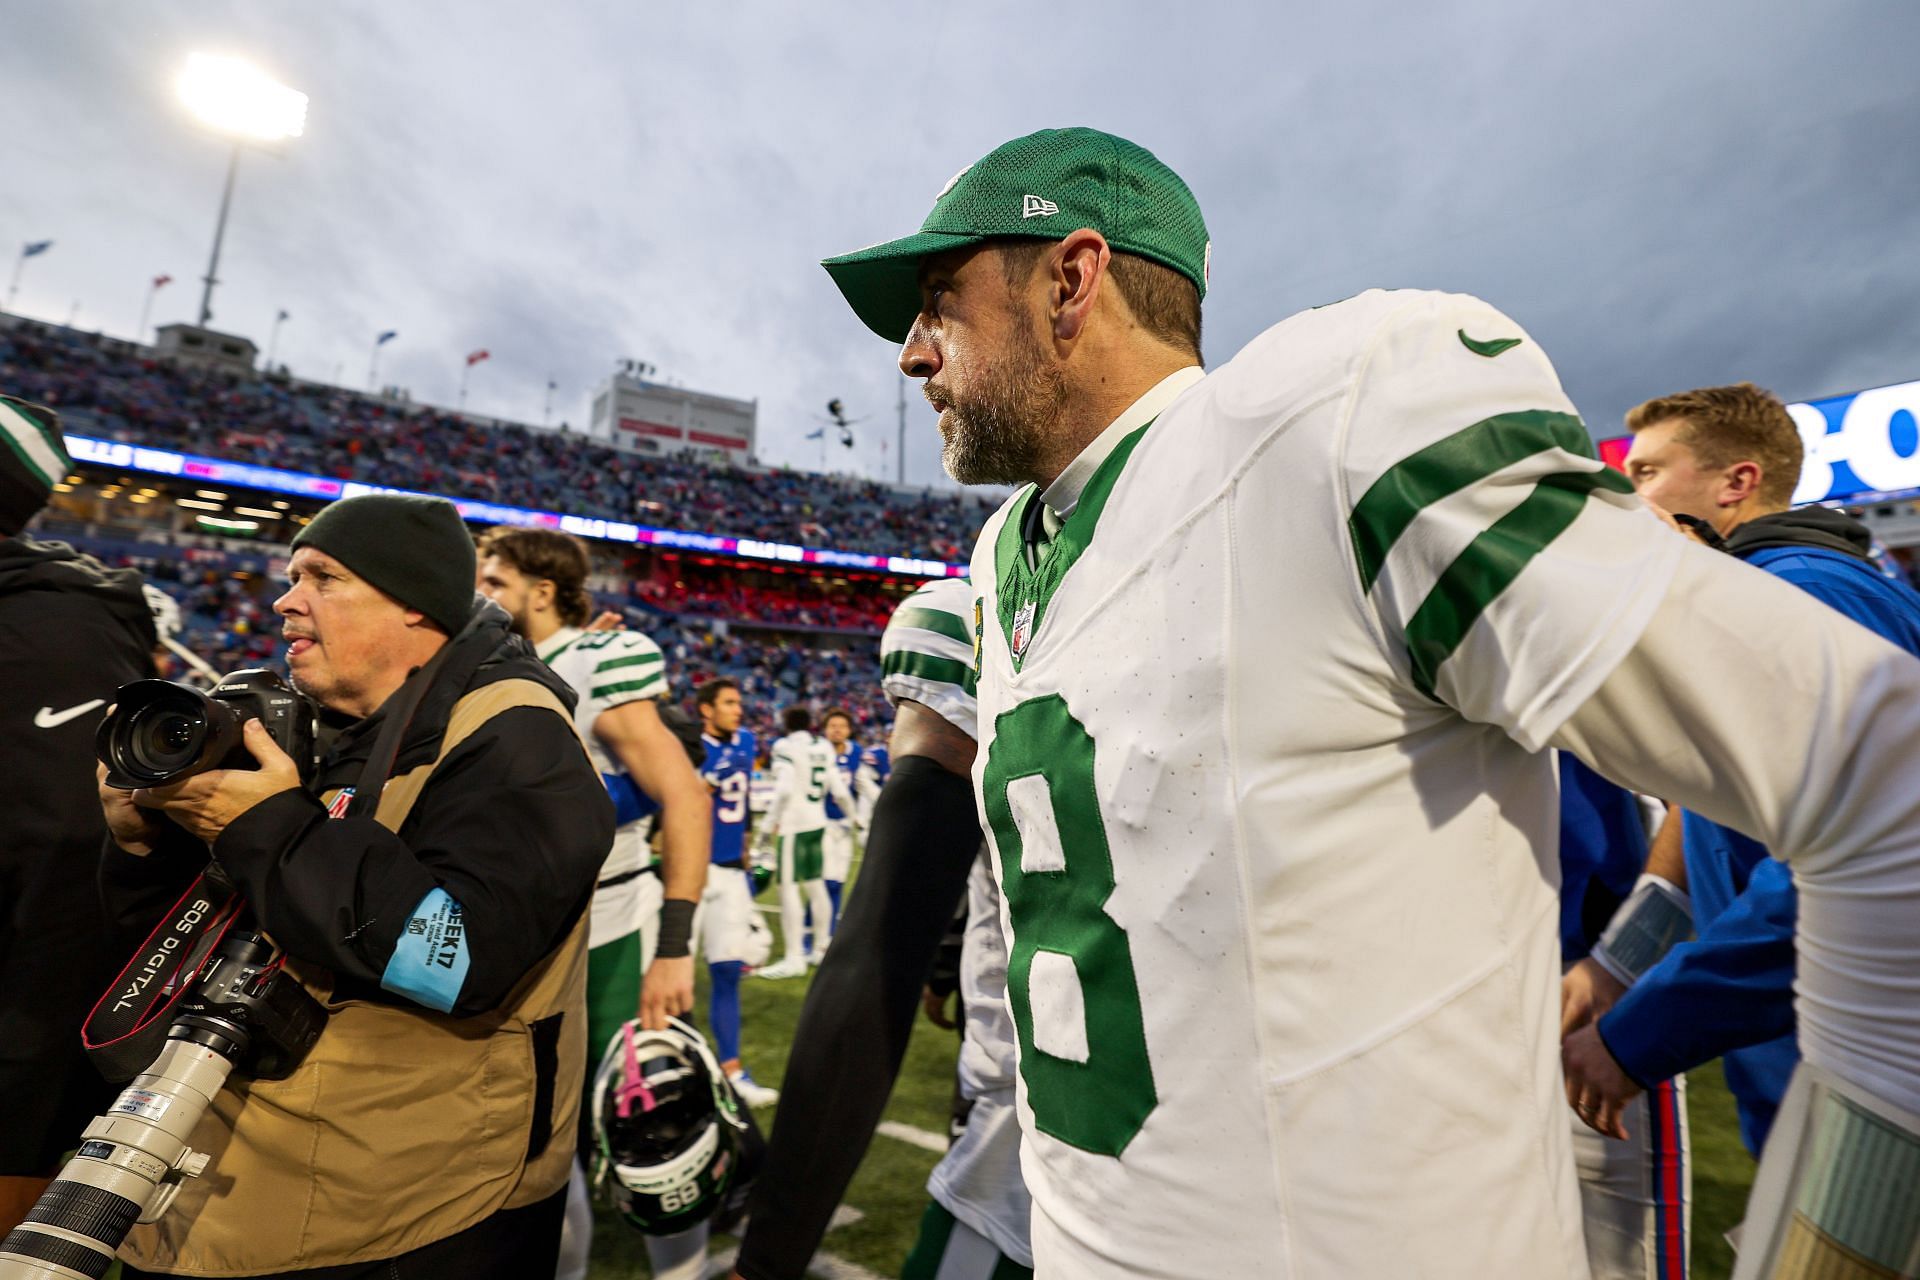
513 826
859 1012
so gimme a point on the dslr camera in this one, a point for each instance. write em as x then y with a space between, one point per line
226 1004
161 732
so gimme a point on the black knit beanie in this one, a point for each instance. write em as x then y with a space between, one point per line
33 458
416 549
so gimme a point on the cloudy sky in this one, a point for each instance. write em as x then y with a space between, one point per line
1665 195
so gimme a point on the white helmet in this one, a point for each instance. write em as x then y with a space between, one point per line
165 609
674 1143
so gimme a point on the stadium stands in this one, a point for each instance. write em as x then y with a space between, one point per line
227 619
105 389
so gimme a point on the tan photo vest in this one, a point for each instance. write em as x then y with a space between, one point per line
403 1126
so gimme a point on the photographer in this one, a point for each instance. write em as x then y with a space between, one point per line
72 631
430 1129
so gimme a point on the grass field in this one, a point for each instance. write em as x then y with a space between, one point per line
889 1192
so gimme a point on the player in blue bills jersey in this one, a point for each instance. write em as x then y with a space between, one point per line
875 765
1636 1192
734 937
842 822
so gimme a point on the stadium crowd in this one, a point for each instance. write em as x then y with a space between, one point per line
848 612
227 619
340 434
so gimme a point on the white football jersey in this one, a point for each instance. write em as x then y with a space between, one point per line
926 652
805 773
608 669
926 655
1261 766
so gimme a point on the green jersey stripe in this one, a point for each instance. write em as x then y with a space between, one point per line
650 683
1020 586
1489 565
923 666
1450 465
637 660
935 620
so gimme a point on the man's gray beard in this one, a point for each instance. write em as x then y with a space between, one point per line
999 434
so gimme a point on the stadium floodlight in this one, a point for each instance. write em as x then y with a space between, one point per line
239 99
236 98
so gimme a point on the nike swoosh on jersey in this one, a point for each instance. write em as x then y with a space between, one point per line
1490 348
48 718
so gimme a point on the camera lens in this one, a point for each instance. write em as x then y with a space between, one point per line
161 732
163 739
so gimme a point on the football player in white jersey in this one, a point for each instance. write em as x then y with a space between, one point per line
975 1228
836 726
804 775
641 915
847 1048
1267 661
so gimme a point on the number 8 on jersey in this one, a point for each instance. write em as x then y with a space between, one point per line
1070 976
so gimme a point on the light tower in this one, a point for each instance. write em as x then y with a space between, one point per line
235 98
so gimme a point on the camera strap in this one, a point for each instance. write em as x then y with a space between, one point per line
399 712
128 1025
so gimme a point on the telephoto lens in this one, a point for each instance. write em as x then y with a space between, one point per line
129 1166
243 1012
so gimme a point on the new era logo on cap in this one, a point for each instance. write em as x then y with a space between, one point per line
1035 207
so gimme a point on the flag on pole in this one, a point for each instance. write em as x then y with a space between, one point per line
34 248
386 337
282 316
475 357
552 385
162 281
816 434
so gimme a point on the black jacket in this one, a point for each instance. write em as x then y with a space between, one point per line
513 825
71 632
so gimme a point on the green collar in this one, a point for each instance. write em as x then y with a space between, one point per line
1024 593
559 642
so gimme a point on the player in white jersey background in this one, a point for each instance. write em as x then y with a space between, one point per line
1267 659
976 1226
836 726
923 845
639 959
804 775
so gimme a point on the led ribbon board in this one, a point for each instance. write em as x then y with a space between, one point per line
188 466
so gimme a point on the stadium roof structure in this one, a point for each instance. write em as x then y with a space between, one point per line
86 450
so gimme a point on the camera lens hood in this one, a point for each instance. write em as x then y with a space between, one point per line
161 732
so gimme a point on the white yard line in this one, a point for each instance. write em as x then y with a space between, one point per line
824 1265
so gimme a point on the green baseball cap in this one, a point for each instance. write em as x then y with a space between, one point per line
1044 186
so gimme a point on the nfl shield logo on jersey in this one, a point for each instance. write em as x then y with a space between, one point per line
338 809
1022 630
